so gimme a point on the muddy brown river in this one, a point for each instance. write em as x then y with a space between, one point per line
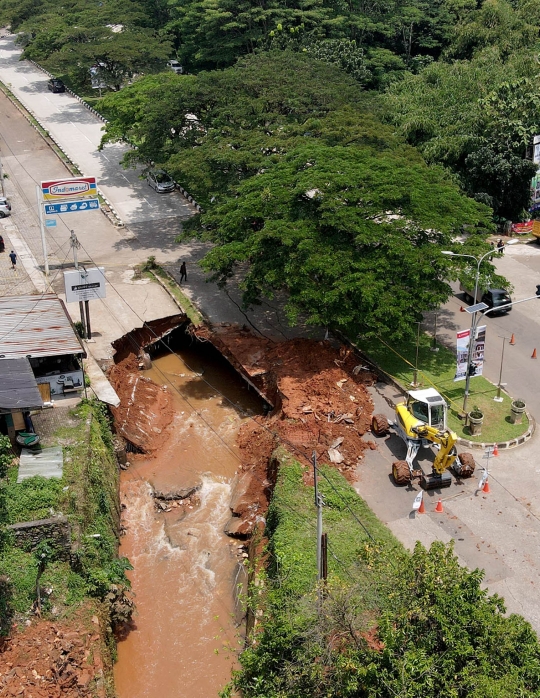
185 568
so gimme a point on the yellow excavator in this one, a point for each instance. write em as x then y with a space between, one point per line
421 422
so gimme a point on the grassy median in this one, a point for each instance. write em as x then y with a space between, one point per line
437 370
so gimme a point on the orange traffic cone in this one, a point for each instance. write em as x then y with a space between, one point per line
439 508
422 508
485 488
461 309
495 450
512 339
534 354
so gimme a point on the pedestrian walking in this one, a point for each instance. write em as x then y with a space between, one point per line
500 246
2 244
183 272
13 258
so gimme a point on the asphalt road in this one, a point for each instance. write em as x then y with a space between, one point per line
521 265
79 132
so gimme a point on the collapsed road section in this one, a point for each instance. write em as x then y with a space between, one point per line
201 411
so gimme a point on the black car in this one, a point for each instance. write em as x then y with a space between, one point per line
496 297
56 85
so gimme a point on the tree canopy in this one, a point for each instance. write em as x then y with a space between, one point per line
306 190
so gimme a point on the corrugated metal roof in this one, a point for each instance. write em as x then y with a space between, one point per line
18 387
34 326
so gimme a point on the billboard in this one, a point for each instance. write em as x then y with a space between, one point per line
477 358
74 187
84 284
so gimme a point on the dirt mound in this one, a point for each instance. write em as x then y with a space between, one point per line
321 404
52 660
145 409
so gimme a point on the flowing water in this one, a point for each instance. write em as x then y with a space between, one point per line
185 567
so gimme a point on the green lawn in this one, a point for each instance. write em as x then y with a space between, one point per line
437 369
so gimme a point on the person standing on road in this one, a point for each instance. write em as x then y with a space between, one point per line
2 244
13 258
183 272
500 246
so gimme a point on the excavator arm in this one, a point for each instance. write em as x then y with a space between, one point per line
446 440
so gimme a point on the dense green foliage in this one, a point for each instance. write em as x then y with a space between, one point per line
391 623
303 183
88 495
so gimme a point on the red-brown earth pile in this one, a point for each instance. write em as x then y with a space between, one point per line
321 404
53 660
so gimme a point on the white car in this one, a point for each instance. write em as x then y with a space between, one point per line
5 207
175 66
160 181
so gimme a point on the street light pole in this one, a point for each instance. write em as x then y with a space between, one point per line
415 375
474 322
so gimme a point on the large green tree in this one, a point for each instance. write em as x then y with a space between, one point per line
477 117
353 235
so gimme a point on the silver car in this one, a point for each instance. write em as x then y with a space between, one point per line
5 207
160 181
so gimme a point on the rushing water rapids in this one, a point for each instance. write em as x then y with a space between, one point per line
184 565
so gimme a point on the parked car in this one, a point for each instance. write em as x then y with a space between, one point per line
492 297
56 85
5 207
160 181
175 66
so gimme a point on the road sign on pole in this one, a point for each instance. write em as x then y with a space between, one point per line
84 284
71 206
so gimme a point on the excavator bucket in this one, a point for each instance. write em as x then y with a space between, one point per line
435 481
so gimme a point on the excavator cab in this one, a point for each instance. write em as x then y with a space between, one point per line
428 406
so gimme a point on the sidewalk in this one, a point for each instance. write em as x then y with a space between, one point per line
14 282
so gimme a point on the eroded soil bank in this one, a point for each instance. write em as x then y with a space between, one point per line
205 433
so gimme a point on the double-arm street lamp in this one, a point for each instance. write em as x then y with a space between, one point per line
474 310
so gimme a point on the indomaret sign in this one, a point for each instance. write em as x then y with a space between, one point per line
84 284
73 188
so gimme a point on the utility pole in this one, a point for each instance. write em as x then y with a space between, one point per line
2 177
75 245
319 505
41 227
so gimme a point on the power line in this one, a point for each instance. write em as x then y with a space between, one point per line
138 347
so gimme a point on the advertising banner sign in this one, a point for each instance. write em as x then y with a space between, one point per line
522 228
477 358
74 188
84 284
71 207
